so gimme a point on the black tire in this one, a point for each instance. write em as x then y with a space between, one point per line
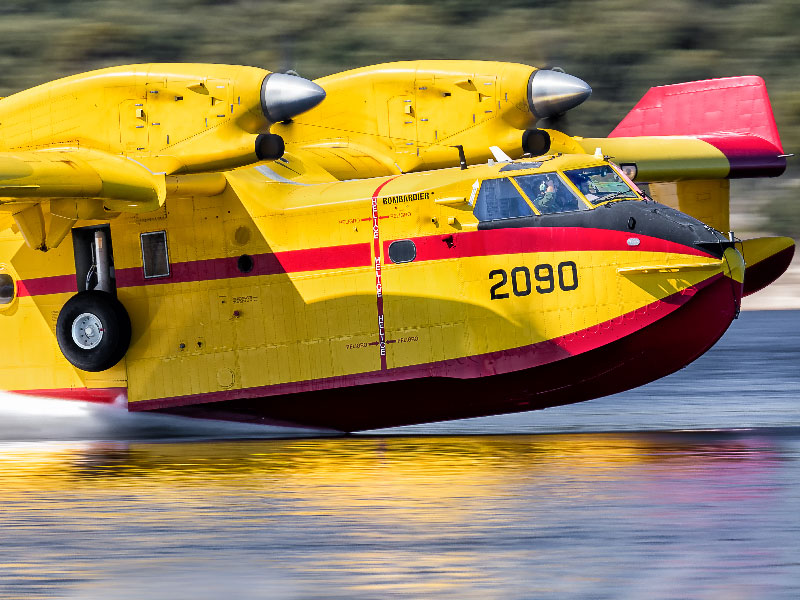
115 327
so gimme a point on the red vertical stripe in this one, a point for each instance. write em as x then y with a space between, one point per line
376 246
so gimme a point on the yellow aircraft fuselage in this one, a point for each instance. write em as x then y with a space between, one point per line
282 292
275 289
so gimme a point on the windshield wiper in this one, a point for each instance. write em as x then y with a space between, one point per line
616 195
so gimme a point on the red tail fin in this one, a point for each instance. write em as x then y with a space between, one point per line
733 114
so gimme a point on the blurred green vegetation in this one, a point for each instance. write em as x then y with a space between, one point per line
781 213
620 47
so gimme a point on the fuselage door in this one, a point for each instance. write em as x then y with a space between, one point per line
133 126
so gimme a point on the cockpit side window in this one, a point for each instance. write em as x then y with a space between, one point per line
549 193
499 199
601 184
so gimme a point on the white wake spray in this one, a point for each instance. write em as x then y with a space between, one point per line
26 418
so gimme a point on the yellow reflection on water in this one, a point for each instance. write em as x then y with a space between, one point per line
374 516
408 467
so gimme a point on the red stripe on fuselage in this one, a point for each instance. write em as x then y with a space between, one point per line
292 261
58 284
493 242
464 244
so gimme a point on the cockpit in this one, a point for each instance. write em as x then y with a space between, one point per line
551 192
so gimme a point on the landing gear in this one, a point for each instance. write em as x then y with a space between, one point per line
93 330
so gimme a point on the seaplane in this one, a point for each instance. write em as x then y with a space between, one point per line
395 244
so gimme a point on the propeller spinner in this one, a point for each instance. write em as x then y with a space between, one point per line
552 93
285 96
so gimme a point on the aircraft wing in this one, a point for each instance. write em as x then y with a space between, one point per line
122 183
76 183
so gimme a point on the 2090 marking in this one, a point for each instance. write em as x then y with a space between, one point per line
544 275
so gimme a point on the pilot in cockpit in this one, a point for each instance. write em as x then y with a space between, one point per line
546 200
586 186
555 197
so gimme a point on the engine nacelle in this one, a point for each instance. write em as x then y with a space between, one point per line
173 118
410 116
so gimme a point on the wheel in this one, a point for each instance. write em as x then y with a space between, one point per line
93 331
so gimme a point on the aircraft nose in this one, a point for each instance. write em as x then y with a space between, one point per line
285 96
551 93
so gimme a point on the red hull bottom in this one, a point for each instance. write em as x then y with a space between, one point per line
645 355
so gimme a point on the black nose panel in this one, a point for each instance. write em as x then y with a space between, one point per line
644 217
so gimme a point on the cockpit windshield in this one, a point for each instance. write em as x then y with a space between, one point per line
499 199
550 192
601 184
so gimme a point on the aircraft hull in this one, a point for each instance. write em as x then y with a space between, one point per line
686 304
626 352
314 324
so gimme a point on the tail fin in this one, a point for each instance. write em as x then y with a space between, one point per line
732 114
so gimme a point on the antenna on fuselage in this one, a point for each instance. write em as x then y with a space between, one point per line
461 156
499 155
